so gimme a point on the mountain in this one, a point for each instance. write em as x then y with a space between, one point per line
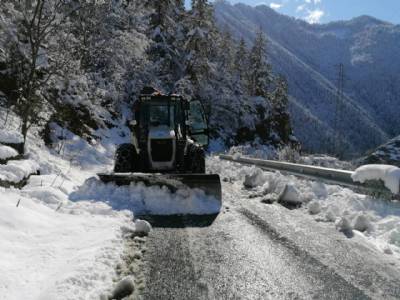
389 153
309 56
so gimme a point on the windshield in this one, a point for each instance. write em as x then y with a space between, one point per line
161 115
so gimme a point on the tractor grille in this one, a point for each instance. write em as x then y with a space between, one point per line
161 150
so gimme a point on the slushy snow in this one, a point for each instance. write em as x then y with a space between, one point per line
390 175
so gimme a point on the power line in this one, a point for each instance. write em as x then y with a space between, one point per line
337 142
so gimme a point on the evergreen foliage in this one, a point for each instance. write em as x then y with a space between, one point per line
117 47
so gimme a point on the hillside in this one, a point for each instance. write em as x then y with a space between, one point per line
309 56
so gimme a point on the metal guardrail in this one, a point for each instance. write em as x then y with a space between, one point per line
328 175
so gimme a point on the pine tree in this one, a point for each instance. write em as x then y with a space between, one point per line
226 52
280 116
241 62
167 35
259 76
200 40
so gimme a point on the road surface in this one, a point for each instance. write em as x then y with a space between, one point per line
253 250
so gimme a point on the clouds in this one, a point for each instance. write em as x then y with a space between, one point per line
314 16
276 6
310 10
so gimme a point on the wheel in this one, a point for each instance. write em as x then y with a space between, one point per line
195 160
126 159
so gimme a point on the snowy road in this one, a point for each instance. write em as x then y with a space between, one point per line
258 251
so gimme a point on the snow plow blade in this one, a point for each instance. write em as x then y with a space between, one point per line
210 184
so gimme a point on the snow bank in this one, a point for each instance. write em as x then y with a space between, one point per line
390 175
7 152
47 254
10 137
147 200
17 170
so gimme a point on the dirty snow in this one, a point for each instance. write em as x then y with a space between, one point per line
390 175
17 170
7 152
376 220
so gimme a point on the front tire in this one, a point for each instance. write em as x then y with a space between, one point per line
126 159
196 162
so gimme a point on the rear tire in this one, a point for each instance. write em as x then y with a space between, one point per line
126 159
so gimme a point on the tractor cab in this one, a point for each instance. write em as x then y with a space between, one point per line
165 116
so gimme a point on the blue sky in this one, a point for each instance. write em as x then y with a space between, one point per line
322 11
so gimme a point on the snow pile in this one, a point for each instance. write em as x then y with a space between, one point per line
254 178
18 170
48 254
390 175
314 208
142 227
10 137
147 200
290 194
7 152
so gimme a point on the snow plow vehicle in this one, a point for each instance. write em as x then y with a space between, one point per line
169 134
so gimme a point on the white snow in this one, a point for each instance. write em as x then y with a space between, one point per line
10 137
52 247
390 175
7 152
314 207
290 194
343 224
362 223
142 227
17 170
254 178
49 254
147 200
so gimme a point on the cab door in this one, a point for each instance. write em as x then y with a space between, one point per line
198 123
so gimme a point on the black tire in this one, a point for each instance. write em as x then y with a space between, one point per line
126 159
195 160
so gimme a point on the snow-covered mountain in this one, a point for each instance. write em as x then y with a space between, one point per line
309 56
388 153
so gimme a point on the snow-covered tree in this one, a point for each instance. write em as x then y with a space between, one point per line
167 34
199 40
241 60
280 116
259 73
34 46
